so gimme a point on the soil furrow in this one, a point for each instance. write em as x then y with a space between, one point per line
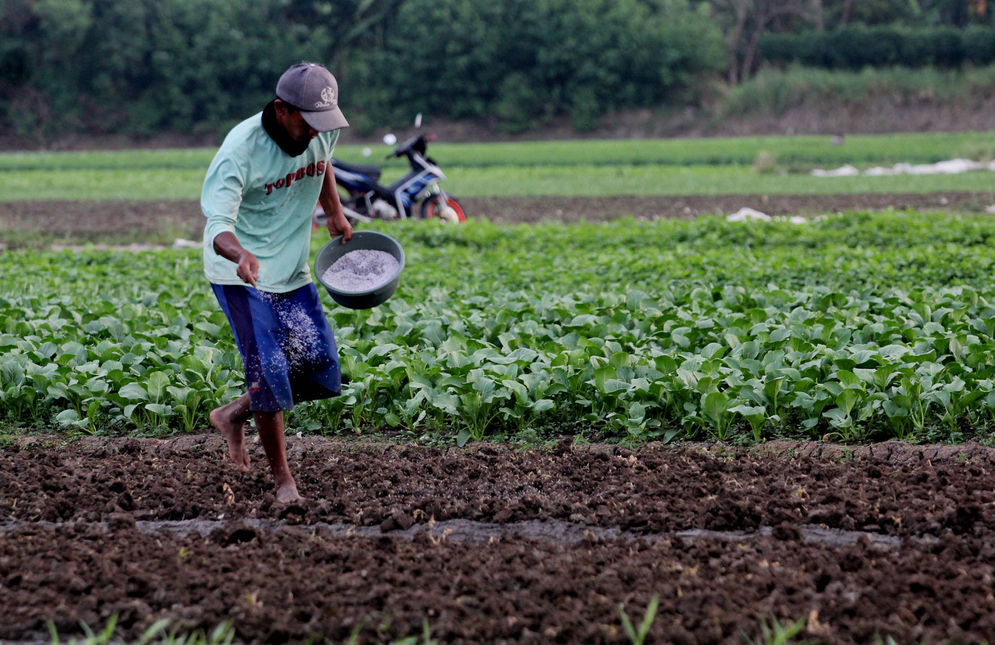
886 489
557 532
300 584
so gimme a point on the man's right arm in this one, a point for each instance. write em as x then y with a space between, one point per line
220 200
228 247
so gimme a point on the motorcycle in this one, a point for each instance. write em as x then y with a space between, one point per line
417 192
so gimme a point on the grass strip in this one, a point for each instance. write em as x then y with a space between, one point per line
591 180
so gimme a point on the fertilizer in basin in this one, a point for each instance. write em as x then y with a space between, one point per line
361 270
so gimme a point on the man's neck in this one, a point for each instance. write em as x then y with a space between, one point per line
279 134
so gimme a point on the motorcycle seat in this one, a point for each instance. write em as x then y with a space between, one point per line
362 169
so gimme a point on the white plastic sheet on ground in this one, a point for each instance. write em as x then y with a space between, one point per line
747 214
950 167
842 171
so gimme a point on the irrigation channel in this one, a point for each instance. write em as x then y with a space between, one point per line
469 531
494 543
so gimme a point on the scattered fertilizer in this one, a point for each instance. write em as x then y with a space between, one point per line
361 270
301 346
302 343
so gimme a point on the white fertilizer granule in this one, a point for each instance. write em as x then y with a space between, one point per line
301 343
361 270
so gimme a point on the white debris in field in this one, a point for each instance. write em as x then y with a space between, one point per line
991 209
842 171
180 243
747 214
951 167
361 270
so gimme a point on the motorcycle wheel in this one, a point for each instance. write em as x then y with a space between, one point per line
447 209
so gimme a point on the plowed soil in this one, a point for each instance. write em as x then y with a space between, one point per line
491 544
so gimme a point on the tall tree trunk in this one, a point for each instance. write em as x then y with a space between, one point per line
847 12
818 20
735 36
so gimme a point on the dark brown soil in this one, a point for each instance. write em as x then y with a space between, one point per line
167 220
493 544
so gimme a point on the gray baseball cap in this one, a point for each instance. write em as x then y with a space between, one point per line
314 91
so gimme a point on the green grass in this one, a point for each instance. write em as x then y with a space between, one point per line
656 166
156 634
691 180
590 180
795 150
811 150
177 158
100 184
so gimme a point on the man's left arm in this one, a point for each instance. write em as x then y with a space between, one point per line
329 198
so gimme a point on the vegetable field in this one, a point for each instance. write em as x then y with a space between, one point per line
854 327
630 429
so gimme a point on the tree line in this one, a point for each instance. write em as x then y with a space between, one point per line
139 67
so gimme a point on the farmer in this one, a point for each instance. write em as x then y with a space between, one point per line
258 197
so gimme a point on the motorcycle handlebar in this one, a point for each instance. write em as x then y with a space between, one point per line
416 142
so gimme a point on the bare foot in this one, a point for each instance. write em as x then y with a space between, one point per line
234 434
287 493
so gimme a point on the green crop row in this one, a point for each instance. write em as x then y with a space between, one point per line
856 326
639 167
807 150
797 151
591 180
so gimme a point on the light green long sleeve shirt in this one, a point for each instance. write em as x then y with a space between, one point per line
266 198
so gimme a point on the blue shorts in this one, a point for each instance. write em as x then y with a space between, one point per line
288 349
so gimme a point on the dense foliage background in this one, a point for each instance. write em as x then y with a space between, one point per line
140 67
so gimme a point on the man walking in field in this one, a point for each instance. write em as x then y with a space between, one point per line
258 198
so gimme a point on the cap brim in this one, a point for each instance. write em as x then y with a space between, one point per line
325 120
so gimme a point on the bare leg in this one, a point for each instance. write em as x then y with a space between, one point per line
230 420
270 425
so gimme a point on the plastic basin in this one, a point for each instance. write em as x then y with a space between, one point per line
369 240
